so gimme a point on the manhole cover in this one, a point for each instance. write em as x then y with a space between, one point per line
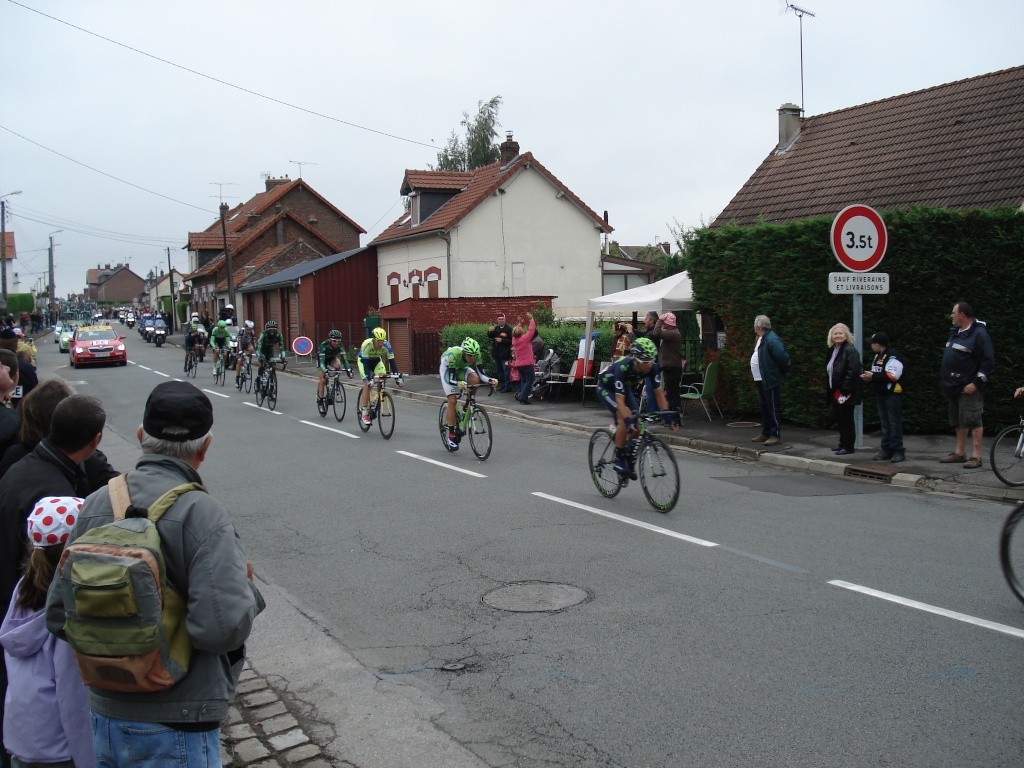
532 596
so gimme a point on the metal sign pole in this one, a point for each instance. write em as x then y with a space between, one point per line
858 327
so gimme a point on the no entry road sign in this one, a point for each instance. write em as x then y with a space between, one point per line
859 238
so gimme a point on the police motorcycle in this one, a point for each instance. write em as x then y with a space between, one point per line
159 333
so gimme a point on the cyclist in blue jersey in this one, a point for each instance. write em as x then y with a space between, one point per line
615 387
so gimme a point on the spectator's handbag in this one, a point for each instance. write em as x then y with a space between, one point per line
513 372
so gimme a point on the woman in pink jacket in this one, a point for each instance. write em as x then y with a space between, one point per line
522 357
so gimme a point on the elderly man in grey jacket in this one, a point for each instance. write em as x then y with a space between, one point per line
206 564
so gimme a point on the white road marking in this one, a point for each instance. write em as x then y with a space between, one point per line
161 373
329 429
145 367
1006 630
441 464
260 408
209 391
629 521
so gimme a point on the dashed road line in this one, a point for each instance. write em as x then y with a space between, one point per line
218 394
441 464
330 429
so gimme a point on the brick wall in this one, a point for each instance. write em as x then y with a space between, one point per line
434 314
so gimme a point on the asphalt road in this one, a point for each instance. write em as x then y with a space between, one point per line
773 618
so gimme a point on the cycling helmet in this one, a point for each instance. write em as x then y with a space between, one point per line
471 346
250 324
335 334
380 334
222 324
195 316
643 349
270 326
229 306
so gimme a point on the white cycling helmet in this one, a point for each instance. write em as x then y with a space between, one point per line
250 324
229 306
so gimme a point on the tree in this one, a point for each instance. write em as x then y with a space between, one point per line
478 148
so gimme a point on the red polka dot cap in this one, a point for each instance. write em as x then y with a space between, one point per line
52 519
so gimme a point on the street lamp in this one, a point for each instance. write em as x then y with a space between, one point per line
3 247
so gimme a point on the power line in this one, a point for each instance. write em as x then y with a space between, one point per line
102 173
76 226
224 82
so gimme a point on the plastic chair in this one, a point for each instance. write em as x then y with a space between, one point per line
705 390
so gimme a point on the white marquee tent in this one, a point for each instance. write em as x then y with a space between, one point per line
671 293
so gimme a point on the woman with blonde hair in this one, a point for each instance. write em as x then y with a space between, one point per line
843 367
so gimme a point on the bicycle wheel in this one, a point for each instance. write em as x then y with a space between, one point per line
247 377
193 368
601 456
1011 551
272 390
218 372
260 393
443 428
386 416
361 421
238 379
1006 456
478 427
659 474
339 404
188 364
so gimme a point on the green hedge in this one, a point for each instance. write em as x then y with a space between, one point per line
935 258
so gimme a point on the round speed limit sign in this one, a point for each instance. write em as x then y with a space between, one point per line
859 238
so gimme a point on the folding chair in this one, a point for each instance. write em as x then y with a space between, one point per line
705 390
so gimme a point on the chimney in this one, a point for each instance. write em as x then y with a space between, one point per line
271 183
789 126
509 149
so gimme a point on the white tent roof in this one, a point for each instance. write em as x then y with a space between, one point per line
675 292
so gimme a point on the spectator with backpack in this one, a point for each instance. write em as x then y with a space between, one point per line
208 580
46 721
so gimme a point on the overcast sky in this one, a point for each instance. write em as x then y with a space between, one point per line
117 117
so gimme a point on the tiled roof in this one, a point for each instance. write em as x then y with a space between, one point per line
482 183
959 145
258 262
237 218
448 180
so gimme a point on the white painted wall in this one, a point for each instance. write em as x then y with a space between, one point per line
525 241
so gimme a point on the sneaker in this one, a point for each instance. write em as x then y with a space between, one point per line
759 439
773 440
897 458
882 456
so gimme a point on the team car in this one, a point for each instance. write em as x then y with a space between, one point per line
95 344
67 334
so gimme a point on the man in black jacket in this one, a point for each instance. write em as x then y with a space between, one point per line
54 468
501 352
967 363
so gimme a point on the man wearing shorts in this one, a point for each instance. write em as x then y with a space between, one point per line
967 363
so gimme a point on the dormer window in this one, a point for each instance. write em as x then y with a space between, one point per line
414 208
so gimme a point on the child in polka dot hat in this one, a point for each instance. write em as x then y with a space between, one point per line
46 716
52 519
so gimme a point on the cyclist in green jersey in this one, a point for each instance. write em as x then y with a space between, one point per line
370 363
219 338
331 352
458 370
265 344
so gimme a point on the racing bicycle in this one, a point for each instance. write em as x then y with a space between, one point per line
191 364
219 376
334 395
266 384
470 419
244 377
382 406
650 460
1006 455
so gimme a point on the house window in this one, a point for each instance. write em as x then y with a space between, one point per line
611 283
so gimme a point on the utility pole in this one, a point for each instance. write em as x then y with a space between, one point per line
53 295
170 277
227 256
3 248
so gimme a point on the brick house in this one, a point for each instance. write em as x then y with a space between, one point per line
117 284
258 233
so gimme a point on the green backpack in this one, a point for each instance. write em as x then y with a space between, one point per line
123 619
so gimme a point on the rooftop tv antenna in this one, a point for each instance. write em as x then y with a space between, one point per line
220 189
800 13
301 163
